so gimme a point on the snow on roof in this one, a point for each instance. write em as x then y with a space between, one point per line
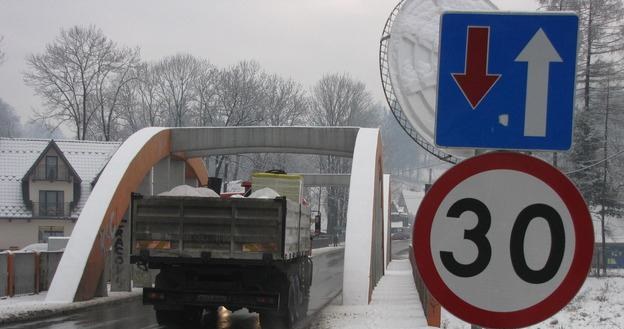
17 155
412 200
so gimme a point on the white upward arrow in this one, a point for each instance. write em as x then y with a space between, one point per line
538 53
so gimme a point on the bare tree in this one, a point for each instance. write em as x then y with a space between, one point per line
205 94
338 100
68 74
240 91
240 99
286 102
141 101
110 86
176 75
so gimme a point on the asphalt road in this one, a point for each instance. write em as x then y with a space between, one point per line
400 249
327 283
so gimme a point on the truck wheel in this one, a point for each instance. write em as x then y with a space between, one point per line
192 316
167 317
305 303
211 317
292 313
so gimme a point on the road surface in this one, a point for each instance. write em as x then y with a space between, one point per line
400 249
326 284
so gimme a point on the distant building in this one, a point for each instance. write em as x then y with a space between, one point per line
410 200
44 184
399 218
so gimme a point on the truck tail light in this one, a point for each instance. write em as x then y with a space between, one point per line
155 295
265 300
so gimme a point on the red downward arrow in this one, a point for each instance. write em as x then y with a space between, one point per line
475 82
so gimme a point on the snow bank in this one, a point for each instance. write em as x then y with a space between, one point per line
264 193
186 190
31 307
599 304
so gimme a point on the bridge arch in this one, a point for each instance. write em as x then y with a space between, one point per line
82 263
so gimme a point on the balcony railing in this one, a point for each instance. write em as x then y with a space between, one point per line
60 174
51 210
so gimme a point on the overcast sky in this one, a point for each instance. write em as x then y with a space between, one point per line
299 39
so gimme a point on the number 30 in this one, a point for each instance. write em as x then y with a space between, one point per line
478 236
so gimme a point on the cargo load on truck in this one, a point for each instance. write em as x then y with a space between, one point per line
236 252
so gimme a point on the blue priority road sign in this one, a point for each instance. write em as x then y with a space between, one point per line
506 80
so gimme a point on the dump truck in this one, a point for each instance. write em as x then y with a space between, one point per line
232 252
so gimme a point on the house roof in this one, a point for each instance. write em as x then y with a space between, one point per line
52 145
17 155
412 200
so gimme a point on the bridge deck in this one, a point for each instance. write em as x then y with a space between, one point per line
395 305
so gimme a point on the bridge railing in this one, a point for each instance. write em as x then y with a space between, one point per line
431 307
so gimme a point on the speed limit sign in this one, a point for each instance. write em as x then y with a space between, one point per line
503 240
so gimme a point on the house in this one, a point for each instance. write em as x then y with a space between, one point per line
44 184
410 200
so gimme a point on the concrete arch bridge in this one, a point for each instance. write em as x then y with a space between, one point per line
174 153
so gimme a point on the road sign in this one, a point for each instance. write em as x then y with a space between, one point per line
503 240
506 81
412 65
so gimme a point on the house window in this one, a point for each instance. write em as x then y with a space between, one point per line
51 167
51 203
47 231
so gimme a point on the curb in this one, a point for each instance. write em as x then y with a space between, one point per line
49 310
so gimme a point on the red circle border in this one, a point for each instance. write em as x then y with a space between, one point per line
583 231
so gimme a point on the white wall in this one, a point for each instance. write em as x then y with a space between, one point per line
22 232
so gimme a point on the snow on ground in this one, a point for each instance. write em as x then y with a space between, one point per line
325 250
394 305
599 304
30 307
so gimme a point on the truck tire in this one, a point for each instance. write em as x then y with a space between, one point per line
167 317
297 302
211 317
306 302
292 312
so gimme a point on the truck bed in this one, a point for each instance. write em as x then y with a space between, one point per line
214 228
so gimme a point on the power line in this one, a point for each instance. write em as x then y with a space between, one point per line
595 164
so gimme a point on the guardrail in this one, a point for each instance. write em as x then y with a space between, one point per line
23 273
431 307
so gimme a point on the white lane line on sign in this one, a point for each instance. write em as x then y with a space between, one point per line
538 53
